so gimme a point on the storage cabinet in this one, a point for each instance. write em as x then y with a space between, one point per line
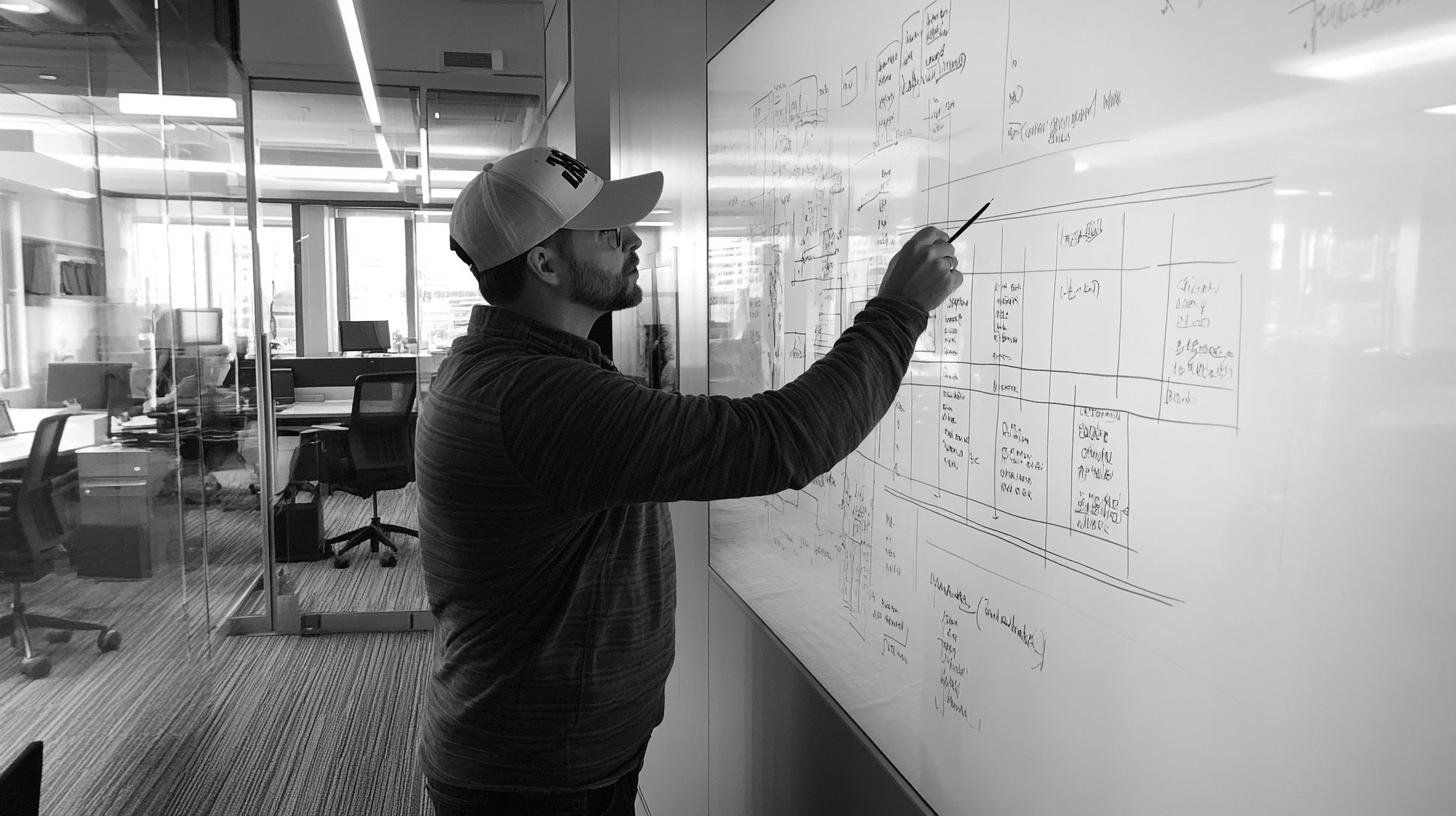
124 530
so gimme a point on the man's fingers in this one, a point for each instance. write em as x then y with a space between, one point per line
929 235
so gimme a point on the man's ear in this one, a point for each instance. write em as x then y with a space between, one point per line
546 265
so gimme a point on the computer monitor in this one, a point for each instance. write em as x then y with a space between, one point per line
281 380
197 327
364 335
96 386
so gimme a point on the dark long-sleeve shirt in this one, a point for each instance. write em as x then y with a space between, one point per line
547 549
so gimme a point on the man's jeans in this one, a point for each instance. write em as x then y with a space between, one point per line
613 800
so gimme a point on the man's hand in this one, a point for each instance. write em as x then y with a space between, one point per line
923 271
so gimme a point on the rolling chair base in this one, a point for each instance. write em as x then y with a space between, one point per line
376 533
18 623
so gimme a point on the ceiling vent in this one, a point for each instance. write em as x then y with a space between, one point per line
472 60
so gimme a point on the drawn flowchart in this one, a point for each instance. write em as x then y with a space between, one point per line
1058 479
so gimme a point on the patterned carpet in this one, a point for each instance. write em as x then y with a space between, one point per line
364 586
290 726
180 721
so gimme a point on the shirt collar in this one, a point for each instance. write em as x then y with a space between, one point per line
493 320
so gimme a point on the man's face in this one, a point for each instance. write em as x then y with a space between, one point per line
603 269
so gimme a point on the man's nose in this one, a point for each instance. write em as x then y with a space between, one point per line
630 239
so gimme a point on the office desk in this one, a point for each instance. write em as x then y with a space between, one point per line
304 414
83 429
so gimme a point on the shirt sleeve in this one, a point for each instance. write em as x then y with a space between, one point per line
588 438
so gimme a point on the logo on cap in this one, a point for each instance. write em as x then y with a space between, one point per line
571 169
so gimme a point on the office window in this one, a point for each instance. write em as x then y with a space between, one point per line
376 274
275 245
446 289
201 255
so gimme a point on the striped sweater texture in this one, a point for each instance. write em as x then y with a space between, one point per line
547 548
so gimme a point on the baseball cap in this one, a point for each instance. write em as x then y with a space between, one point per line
516 202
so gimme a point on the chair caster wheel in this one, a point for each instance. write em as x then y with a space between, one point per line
341 563
388 560
58 635
35 667
108 640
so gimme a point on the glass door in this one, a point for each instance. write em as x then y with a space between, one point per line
117 215
375 290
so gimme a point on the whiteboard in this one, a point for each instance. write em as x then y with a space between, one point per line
1160 521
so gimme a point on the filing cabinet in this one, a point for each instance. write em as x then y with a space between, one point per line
124 530
113 462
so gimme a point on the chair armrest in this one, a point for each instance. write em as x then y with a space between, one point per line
10 494
65 480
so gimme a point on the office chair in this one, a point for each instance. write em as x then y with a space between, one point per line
20 781
30 535
380 456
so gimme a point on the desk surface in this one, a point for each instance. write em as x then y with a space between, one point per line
85 428
314 410
315 413
297 415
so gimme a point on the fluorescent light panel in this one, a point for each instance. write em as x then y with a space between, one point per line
350 17
462 152
386 159
319 172
460 176
1448 110
192 107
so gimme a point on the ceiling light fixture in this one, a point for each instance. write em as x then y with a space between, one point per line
386 159
47 77
189 107
350 17
16 7
466 152
1448 110
458 176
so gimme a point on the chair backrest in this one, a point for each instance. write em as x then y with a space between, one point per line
45 447
35 530
379 429
383 398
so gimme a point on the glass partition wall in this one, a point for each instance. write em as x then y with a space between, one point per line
126 303
375 289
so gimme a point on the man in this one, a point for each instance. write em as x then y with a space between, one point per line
542 472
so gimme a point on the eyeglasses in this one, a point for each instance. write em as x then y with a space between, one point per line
613 236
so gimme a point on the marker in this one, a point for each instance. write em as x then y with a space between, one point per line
968 223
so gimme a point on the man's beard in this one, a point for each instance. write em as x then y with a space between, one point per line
597 290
